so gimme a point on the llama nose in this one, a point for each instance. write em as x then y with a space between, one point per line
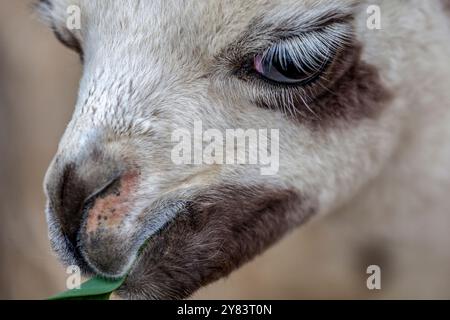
70 186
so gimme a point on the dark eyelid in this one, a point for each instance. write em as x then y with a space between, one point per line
306 81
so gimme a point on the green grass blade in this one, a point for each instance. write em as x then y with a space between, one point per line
96 288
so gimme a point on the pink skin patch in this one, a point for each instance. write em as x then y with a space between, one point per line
257 64
109 211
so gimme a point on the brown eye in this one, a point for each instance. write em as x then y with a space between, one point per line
281 66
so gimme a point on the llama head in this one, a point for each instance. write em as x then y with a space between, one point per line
300 78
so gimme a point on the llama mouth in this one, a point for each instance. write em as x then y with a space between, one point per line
178 245
111 253
114 254
201 243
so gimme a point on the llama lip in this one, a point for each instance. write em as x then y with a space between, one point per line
67 250
111 250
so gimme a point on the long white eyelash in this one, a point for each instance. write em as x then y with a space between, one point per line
310 50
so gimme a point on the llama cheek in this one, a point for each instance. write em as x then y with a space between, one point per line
360 94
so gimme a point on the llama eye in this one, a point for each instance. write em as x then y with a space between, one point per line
279 66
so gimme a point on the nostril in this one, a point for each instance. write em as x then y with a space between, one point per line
112 186
108 209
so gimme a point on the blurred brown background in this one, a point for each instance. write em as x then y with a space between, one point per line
38 80
38 88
